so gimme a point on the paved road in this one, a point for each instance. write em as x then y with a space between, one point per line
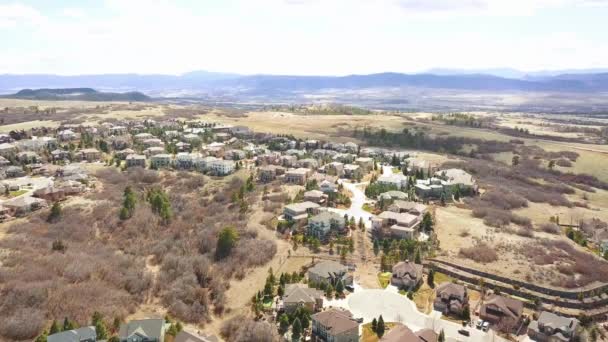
357 201
394 307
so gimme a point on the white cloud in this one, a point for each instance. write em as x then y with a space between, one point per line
14 14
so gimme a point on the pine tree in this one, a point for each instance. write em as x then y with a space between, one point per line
296 330
376 247
55 212
431 278
340 287
68 325
42 337
374 324
417 258
226 241
54 328
283 323
380 328
441 337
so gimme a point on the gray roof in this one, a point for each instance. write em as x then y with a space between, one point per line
76 335
151 328
185 336
300 293
327 268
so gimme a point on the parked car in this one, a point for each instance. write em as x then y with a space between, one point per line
486 326
479 324
464 332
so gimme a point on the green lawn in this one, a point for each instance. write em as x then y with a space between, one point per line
384 279
442 278
267 303
396 170
17 193
368 208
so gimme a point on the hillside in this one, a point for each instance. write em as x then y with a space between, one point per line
81 94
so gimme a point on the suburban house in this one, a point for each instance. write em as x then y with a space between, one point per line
184 161
89 154
22 205
145 330
409 207
393 195
396 180
216 149
428 188
159 161
315 196
298 212
327 186
297 176
6 149
330 272
60 154
136 160
406 275
335 325
4 162
457 178
366 163
289 161
451 298
153 142
28 157
308 163
154 150
270 172
552 327
14 172
334 169
67 135
222 167
402 333
184 336
322 224
353 171
84 334
300 295
400 225
140 137
50 194
502 311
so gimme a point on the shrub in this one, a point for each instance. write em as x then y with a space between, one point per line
481 252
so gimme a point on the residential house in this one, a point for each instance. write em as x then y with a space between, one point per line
335 325
297 176
184 161
122 154
330 272
406 275
235 154
4 162
184 336
298 212
28 157
400 225
288 161
118 130
215 149
315 196
429 188
334 169
182 146
401 333
308 163
67 135
451 298
353 171
145 330
136 160
154 150
502 311
7 149
351 147
222 167
160 161
553 328
241 131
409 207
14 172
84 334
393 195
50 194
300 295
366 163
89 154
327 186
222 136
57 155
22 205
140 137
397 180
325 222
270 172
153 142
457 178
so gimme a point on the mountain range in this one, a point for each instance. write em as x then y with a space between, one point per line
76 94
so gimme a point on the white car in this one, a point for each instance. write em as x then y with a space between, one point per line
479 324
485 326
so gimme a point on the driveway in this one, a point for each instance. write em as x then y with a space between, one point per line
357 201
394 307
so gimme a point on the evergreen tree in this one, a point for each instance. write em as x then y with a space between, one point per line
128 205
283 323
54 328
457 193
329 290
296 330
381 327
441 337
374 324
68 325
431 278
42 337
417 258
55 212
100 329
340 287
376 247
226 241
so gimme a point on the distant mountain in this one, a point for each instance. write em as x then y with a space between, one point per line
514 73
77 94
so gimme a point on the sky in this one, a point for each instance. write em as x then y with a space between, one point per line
299 37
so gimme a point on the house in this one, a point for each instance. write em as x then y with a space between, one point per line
50 194
215 149
297 176
353 171
22 205
182 146
145 330
457 178
308 163
502 311
222 167
67 135
160 161
315 196
84 334
122 154
351 147
153 142
298 212
330 272
451 298
14 172
270 172
413 208
400 225
406 275
118 130
222 136
4 162
327 186
553 328
184 161
242 131
393 195
429 188
335 325
334 169
366 163
300 295
154 150
7 149
288 161
235 154
322 224
89 154
136 160
401 333
396 180
28 157
184 336
60 155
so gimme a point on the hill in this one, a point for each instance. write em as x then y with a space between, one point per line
77 94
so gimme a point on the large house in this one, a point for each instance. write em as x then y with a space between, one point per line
159 161
401 333
330 272
270 172
298 212
297 176
366 163
553 328
300 295
322 224
335 325
502 311
400 225
84 334
136 160
89 154
406 275
184 336
396 180
315 196
145 330
451 298
409 207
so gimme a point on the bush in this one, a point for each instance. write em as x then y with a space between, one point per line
550 228
24 324
481 253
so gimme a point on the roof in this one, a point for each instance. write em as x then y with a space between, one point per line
336 320
313 193
507 306
76 335
427 335
152 328
407 270
185 336
300 172
451 290
136 156
300 293
400 333
401 218
393 194
302 206
456 176
409 206
327 268
327 217
549 319
23 201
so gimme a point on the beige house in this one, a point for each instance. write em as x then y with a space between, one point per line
300 295
335 325
406 275
297 176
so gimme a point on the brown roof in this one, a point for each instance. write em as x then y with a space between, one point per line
509 307
427 335
407 270
451 290
336 320
400 333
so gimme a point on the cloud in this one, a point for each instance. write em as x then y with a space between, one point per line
12 15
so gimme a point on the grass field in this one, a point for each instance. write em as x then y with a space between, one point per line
384 279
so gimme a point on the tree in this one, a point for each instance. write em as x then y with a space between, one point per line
417 258
225 242
441 337
466 313
329 290
68 325
431 278
361 224
296 330
457 193
374 324
100 329
376 247
42 337
283 323
427 222
380 328
54 328
551 164
515 160
55 213
339 287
